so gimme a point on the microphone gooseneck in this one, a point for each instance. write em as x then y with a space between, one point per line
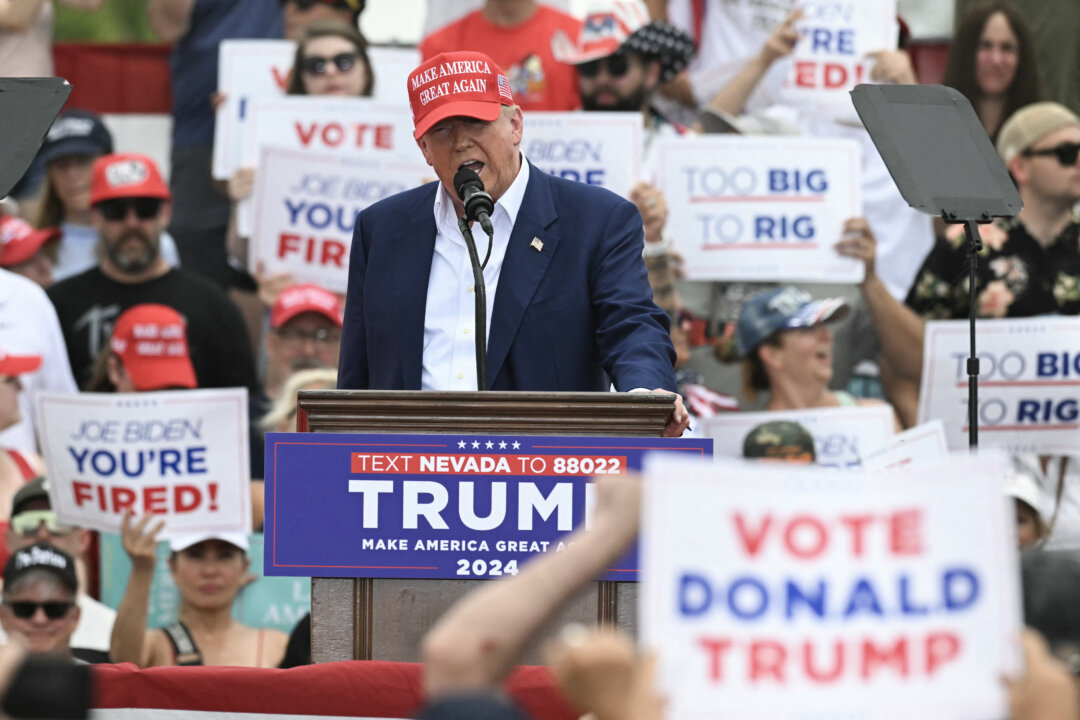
478 208
478 204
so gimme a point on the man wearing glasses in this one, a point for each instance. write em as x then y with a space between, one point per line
305 334
130 207
34 525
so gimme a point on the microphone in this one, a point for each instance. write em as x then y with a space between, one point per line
478 204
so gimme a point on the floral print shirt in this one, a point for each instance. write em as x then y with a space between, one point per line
1016 277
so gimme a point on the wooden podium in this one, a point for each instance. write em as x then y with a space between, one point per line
385 619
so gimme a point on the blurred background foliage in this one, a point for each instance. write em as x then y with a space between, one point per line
116 21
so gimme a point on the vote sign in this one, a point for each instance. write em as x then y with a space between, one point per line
779 592
436 506
842 436
594 148
306 205
761 208
182 455
1028 378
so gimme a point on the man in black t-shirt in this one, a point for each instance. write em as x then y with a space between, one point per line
130 208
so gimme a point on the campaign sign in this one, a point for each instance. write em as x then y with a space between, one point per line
247 69
795 593
915 446
841 435
265 602
831 56
1029 372
347 127
595 148
306 205
181 455
761 208
436 506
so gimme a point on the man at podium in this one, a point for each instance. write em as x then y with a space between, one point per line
568 298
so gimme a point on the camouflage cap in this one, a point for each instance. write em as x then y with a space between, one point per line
780 440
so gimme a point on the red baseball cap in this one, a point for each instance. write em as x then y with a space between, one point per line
126 175
151 341
19 241
465 84
12 365
297 299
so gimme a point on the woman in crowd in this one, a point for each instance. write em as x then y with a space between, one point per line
992 62
74 142
209 570
26 251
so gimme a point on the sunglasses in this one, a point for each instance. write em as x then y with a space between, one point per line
117 208
354 5
315 65
617 66
1066 153
26 524
297 337
54 610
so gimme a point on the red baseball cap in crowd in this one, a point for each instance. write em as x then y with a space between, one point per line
126 175
13 365
457 84
298 299
151 341
19 241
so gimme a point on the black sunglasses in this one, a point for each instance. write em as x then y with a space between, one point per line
354 5
24 609
617 66
315 65
1066 153
117 208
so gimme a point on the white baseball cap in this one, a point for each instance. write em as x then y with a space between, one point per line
183 542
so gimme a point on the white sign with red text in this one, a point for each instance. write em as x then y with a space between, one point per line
1029 374
181 455
772 591
596 148
919 445
761 208
841 435
260 69
348 127
306 205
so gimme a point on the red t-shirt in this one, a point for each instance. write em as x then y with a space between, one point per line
523 52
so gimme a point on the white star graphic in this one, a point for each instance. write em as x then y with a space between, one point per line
502 445
461 443
489 445
516 445
475 444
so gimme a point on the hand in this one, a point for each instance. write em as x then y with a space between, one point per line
1046 690
784 38
680 418
858 242
217 99
653 208
600 672
892 66
241 184
141 546
270 286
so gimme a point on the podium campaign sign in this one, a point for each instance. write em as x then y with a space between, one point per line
435 506
1028 379
841 435
761 208
600 148
306 205
182 455
796 593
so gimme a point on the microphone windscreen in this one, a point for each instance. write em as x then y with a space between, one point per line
465 178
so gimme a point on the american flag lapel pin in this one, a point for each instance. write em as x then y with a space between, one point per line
537 244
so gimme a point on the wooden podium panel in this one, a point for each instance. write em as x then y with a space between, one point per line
385 619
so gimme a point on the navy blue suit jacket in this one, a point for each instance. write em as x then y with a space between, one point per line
566 318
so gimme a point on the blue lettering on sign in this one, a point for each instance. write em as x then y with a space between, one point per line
1042 411
589 177
793 181
783 228
134 463
827 40
1051 364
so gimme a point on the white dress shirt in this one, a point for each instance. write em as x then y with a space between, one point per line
449 359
